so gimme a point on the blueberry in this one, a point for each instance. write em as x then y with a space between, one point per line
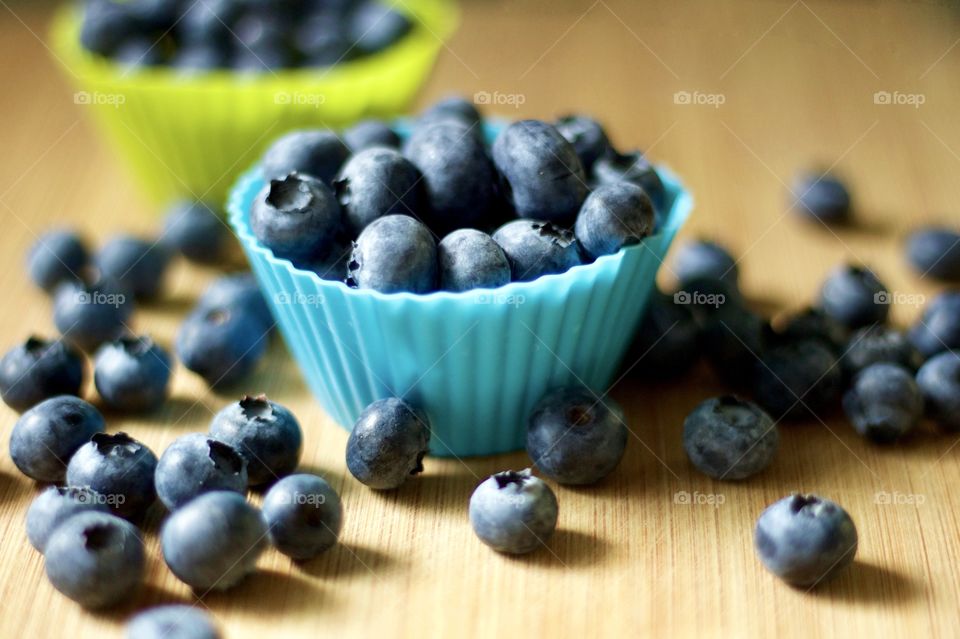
453 108
321 40
707 296
394 253
513 512
37 370
57 256
208 22
371 133
118 467
587 136
304 515
296 217
876 344
733 341
854 296
884 402
196 231
105 24
132 374
666 345
194 58
95 559
54 506
541 170
197 463
614 216
797 379
458 175
260 34
319 154
377 182
805 539
159 15
137 265
265 433
730 438
575 438
138 51
46 436
824 198
935 252
213 541
811 323
632 167
90 314
374 26
704 259
938 329
939 381
536 248
470 259
222 344
172 622
238 291
387 444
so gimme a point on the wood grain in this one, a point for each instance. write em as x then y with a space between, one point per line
797 80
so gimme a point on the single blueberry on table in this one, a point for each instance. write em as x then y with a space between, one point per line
810 323
614 216
118 467
805 539
587 136
458 176
635 168
541 170
821 197
939 382
90 314
452 108
370 133
374 26
470 259
132 374
135 264
876 344
666 345
265 433
213 541
935 252
798 379
575 438
732 338
387 444
239 291
296 217
304 516
394 253
513 512
172 622
197 463
377 182
704 259
938 329
222 344
884 402
57 256
730 438
536 248
45 437
37 370
854 296
96 559
319 154
54 506
195 230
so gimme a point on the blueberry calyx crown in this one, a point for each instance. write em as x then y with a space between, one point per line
256 407
224 457
36 345
579 415
289 194
810 504
118 443
560 236
97 537
509 477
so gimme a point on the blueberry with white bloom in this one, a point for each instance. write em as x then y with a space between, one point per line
197 463
470 259
394 253
884 402
855 297
39 369
45 437
172 622
119 468
319 154
613 216
536 248
132 374
296 216
730 438
136 264
513 512
304 515
387 444
939 381
54 506
55 257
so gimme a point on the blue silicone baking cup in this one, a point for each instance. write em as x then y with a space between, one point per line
476 361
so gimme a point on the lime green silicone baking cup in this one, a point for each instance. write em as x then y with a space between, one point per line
192 135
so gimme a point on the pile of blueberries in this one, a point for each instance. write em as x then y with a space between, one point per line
443 210
243 35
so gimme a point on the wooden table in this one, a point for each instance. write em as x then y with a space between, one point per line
773 87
